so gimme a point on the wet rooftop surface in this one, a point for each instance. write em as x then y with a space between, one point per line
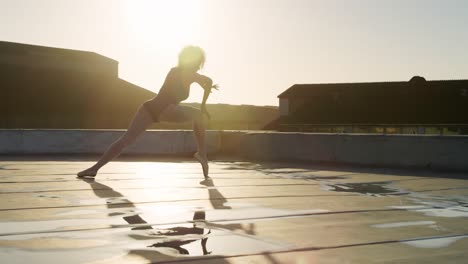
164 212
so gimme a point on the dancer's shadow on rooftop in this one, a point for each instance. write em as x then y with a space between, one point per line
117 200
218 202
198 231
174 237
217 199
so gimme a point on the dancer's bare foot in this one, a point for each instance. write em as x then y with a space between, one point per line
208 182
204 162
90 172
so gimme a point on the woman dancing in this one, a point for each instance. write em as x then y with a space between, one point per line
165 107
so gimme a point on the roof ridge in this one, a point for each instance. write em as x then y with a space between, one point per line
34 46
303 86
439 80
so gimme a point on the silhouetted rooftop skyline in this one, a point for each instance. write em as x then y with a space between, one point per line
261 46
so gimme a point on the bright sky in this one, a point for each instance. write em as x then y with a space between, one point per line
255 48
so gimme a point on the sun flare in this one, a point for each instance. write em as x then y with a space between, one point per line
166 25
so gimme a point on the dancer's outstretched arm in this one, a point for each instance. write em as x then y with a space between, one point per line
203 81
207 84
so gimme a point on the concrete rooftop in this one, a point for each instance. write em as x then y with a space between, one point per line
162 212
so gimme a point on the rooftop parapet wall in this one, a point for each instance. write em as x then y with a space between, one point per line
160 142
415 151
436 152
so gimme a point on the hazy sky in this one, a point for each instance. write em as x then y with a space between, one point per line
255 48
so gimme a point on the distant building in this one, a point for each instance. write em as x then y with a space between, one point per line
414 103
44 87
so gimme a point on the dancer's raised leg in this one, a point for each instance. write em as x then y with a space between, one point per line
140 122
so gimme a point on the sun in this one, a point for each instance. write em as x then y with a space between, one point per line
164 24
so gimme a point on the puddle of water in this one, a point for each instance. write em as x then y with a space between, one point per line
176 240
217 243
436 205
451 211
250 210
93 245
430 205
434 243
366 188
403 224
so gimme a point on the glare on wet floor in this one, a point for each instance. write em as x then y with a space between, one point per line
162 211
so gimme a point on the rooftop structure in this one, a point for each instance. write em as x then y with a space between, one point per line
44 87
65 60
416 102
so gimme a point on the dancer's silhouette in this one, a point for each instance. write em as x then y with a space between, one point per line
165 107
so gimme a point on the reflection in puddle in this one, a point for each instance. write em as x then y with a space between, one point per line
367 188
178 240
218 242
205 238
181 236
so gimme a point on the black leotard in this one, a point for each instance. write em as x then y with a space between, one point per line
173 91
